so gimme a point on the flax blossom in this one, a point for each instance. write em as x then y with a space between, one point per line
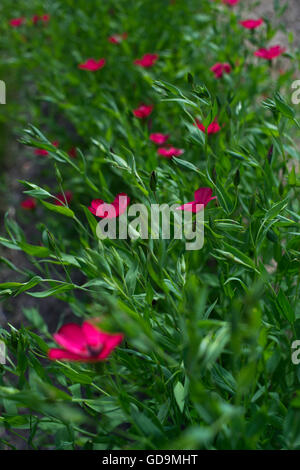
201 196
143 111
158 138
85 343
117 38
219 69
270 53
148 60
252 24
110 210
16 22
67 197
72 152
169 152
43 152
42 18
29 204
213 128
230 2
92 65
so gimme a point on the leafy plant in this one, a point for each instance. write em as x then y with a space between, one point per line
206 359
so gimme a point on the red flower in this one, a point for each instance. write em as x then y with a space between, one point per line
43 152
72 152
92 64
213 128
110 211
62 199
148 60
252 24
143 111
230 2
218 69
202 196
16 22
29 204
169 152
117 38
158 138
37 18
270 53
84 343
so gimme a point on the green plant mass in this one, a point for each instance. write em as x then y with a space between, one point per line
117 331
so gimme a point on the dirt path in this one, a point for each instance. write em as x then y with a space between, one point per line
290 19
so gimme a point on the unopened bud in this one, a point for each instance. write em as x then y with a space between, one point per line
237 178
252 206
153 181
270 154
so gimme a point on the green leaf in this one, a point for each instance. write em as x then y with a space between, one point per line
32 250
179 395
36 191
237 256
284 307
59 209
283 107
53 291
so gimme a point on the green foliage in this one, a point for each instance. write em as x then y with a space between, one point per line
206 361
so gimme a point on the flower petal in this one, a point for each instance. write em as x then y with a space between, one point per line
203 195
110 342
62 355
92 334
188 206
72 338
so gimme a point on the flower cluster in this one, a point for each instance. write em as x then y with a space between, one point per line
17 22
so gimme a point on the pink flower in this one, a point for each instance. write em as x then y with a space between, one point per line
110 211
117 38
92 64
37 18
252 24
16 22
43 152
143 111
158 138
45 18
28 204
202 196
148 60
169 152
72 152
270 53
230 2
213 128
84 343
62 199
218 69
